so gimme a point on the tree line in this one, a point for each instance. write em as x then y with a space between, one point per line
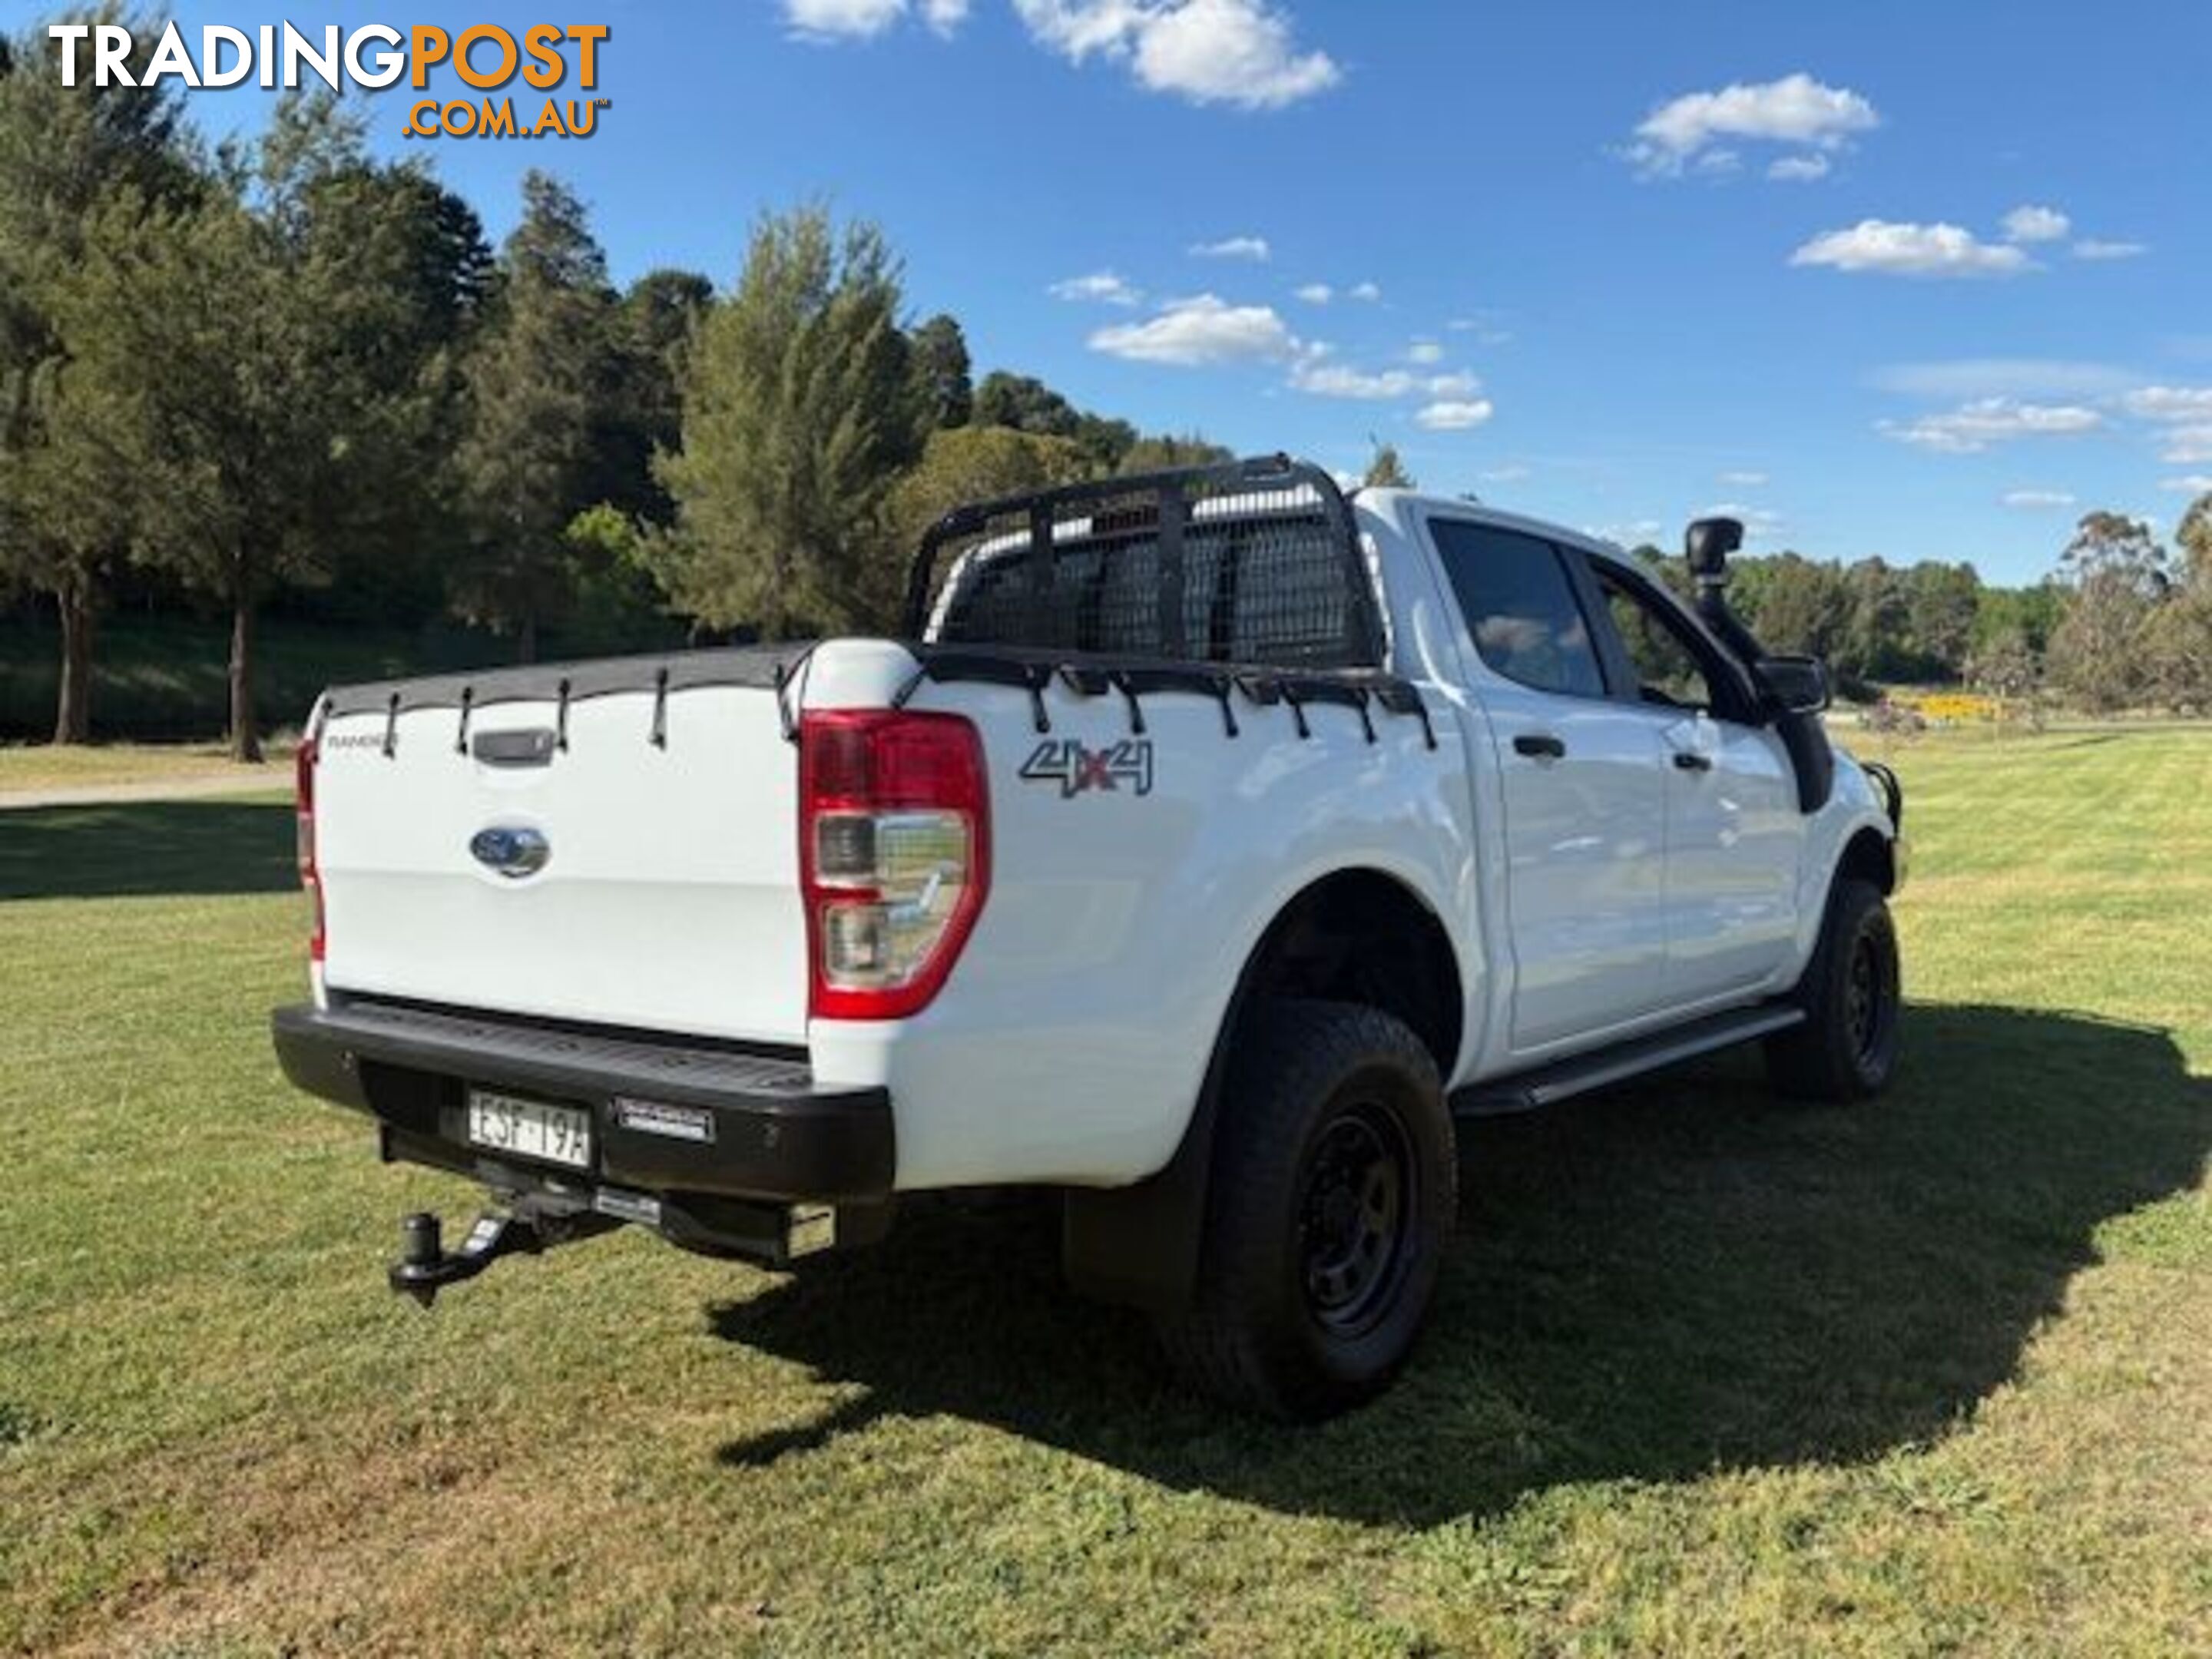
231 375
281 373
2123 622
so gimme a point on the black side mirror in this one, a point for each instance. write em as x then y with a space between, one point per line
1707 545
1798 684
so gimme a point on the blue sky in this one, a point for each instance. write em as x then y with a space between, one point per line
1628 261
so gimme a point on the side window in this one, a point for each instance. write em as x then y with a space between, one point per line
1520 607
1668 673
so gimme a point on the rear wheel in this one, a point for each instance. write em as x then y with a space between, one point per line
1333 1188
1852 995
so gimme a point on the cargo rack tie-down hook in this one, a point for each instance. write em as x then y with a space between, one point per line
1366 719
1119 681
561 718
391 728
461 739
1038 677
1224 689
660 707
1289 695
797 671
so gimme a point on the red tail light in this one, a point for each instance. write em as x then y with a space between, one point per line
311 880
894 853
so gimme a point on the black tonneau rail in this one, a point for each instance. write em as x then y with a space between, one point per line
759 666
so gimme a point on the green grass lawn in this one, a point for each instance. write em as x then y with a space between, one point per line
98 766
1708 1374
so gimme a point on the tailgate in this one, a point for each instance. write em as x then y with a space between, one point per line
667 897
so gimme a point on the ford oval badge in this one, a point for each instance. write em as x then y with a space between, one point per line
513 850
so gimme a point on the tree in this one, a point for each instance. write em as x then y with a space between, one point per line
1386 471
977 464
941 358
1026 405
1804 607
1874 619
1165 453
651 336
241 350
2008 670
2178 643
2033 613
801 407
538 382
2116 574
71 159
1940 604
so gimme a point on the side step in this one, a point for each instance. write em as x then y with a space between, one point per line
1543 1086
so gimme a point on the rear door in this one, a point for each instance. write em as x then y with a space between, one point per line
1734 832
1584 790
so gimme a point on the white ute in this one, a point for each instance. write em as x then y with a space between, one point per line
1210 843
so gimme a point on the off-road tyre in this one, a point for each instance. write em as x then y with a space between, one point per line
1853 998
1333 1192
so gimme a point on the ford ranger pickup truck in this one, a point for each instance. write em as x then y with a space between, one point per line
1206 845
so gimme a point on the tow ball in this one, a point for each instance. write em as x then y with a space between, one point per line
425 1266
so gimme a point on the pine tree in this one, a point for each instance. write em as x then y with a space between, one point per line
801 408
538 381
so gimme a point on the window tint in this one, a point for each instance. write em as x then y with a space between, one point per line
1668 671
1520 607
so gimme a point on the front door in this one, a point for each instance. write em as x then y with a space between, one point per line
1734 832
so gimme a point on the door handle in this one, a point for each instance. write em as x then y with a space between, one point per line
1689 760
1540 744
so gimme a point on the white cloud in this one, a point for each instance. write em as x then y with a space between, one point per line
2089 247
1424 351
1103 286
2036 224
1800 169
1795 110
1454 415
1190 333
2035 499
2188 445
2196 483
842 20
1512 472
1743 480
2002 377
1316 293
1485 326
945 15
1240 52
1343 380
1368 291
1327 379
2171 403
1973 428
1254 248
1908 250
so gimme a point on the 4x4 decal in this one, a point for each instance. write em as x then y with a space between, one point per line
1077 769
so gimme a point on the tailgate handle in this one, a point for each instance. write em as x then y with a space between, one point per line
532 746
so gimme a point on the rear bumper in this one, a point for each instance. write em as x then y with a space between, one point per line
666 1120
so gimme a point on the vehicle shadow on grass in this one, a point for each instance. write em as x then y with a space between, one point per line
1653 1284
170 846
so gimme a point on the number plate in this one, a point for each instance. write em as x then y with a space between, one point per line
529 1129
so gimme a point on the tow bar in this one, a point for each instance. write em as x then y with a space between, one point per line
425 1267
